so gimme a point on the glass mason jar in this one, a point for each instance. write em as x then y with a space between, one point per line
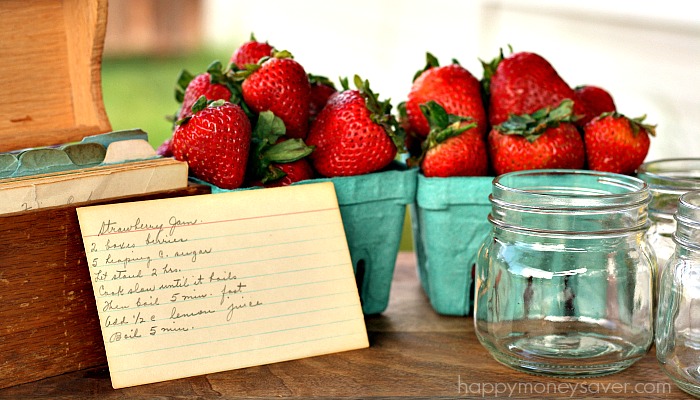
668 179
564 281
678 320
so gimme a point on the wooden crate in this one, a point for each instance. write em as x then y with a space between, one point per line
50 56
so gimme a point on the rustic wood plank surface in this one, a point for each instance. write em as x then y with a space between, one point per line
413 353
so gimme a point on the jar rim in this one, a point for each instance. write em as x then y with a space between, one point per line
689 208
678 173
578 189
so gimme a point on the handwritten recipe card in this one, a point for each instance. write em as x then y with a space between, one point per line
195 285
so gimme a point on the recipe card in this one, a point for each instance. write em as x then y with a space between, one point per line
200 284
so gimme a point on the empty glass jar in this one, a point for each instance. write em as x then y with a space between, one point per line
668 179
678 321
564 281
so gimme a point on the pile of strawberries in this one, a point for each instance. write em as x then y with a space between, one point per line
265 121
521 115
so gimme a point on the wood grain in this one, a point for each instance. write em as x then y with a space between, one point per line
413 352
50 58
48 318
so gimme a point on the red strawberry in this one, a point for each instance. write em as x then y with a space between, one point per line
321 89
522 84
354 134
615 143
251 52
453 147
294 171
215 143
279 85
546 138
212 84
165 149
275 160
451 86
595 100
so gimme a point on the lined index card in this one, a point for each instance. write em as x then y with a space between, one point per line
201 284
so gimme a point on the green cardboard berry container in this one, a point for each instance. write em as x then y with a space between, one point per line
373 209
449 220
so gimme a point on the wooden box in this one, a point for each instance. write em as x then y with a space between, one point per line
50 59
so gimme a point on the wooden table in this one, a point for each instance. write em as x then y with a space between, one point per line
413 352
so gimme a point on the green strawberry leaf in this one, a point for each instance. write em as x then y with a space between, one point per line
320 80
430 62
637 124
282 54
288 151
272 174
490 68
265 150
344 83
183 80
532 126
199 105
269 127
442 127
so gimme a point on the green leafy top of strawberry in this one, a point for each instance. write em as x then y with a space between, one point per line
267 150
430 62
380 111
216 74
490 69
236 74
219 76
442 127
199 105
636 124
320 80
532 126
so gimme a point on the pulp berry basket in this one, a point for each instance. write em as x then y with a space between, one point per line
373 209
449 220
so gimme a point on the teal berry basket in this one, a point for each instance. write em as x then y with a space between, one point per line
373 209
449 220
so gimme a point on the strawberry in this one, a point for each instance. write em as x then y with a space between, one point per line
275 160
165 149
251 52
595 100
214 141
452 87
212 84
278 84
321 89
522 84
354 134
615 143
294 171
453 147
546 138
413 143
